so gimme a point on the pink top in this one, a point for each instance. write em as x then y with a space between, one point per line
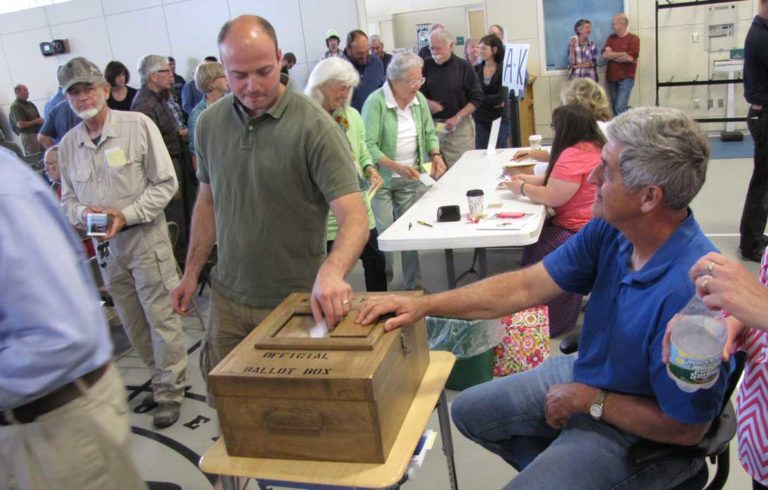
752 400
574 165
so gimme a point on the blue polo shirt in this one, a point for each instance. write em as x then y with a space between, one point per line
620 344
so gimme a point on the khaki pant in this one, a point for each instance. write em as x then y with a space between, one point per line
455 143
139 276
81 445
30 144
228 324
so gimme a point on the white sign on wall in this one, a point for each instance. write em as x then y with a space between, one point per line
515 67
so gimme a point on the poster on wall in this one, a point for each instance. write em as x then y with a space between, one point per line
515 67
422 35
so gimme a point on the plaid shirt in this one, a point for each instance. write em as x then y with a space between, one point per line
587 52
156 107
173 106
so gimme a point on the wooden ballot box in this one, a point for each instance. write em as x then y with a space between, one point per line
289 392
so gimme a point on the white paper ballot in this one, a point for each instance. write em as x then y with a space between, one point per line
426 180
493 137
318 330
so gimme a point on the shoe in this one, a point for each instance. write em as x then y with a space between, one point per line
147 403
754 255
166 415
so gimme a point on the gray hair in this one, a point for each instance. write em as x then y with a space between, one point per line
663 147
206 73
444 34
402 63
149 64
375 39
327 71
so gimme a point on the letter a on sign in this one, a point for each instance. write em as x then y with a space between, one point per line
515 67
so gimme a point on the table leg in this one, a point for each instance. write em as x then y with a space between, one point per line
482 263
445 434
450 268
228 482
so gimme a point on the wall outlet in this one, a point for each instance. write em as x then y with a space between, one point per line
695 37
696 104
720 103
710 104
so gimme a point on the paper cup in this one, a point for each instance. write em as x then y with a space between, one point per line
475 199
534 141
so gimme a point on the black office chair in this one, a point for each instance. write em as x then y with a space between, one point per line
715 445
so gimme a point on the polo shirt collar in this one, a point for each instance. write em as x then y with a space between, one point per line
277 109
760 20
664 257
389 98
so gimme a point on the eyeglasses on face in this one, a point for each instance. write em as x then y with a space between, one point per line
416 83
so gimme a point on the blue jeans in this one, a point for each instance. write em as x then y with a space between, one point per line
389 204
483 134
619 93
506 416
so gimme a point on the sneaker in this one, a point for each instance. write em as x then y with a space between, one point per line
754 255
147 403
166 415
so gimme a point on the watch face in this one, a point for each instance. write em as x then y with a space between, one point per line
596 410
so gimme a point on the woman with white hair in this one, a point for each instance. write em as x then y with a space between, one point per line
402 140
330 84
209 80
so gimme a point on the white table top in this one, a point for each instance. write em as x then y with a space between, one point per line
475 170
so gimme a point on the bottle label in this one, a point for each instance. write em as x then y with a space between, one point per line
693 370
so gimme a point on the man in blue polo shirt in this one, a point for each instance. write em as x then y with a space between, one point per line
571 421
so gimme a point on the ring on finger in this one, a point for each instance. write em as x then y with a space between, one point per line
345 302
710 268
705 286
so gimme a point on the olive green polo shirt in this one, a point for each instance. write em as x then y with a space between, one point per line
272 178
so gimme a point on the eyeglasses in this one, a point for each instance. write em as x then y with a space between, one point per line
416 83
163 71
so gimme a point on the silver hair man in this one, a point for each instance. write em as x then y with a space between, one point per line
149 64
663 147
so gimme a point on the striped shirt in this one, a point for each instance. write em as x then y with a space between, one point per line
584 53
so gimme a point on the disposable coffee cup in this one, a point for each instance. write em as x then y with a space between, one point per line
475 199
534 141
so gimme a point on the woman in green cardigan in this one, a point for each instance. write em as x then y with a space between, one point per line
330 84
402 141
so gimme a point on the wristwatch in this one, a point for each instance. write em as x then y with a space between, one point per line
596 409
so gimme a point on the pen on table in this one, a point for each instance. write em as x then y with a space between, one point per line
424 223
410 225
521 156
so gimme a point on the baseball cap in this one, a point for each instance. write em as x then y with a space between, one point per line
78 70
332 33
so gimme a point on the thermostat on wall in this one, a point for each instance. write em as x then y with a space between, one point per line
57 46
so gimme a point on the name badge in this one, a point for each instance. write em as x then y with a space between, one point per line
116 157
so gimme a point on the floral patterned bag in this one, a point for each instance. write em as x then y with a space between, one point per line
526 341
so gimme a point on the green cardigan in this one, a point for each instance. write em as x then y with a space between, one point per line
381 130
356 137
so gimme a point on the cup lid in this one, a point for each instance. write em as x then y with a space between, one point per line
475 192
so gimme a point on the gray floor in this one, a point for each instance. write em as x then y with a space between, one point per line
170 455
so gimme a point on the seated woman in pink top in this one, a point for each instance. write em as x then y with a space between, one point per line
564 188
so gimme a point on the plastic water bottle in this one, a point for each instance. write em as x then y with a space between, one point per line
696 347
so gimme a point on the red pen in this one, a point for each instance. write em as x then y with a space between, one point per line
510 215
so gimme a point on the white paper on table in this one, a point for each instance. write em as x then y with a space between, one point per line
426 180
499 224
493 137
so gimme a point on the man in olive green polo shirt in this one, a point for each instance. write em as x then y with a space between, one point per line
26 121
270 162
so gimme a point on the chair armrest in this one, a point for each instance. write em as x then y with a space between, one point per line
569 343
645 452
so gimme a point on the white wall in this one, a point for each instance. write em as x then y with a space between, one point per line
104 30
679 56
